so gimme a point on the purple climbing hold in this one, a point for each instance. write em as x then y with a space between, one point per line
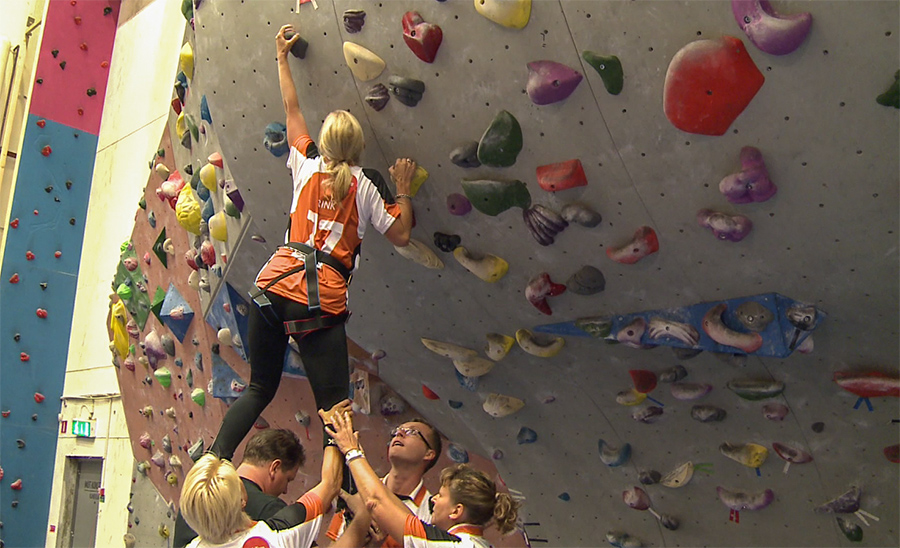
770 31
733 228
752 183
354 20
377 97
458 204
550 82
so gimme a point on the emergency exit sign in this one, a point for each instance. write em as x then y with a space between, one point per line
83 429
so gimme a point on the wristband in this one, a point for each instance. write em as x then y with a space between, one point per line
353 454
403 196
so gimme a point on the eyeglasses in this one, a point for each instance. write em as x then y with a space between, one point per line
407 431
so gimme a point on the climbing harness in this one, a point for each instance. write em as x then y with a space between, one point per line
311 258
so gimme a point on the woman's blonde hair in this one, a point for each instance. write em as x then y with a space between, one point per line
212 500
341 143
478 494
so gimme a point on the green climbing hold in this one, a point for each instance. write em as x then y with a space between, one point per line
192 127
131 350
187 9
143 203
501 142
199 396
156 305
494 197
124 291
230 209
189 378
159 249
609 68
163 377
595 326
891 97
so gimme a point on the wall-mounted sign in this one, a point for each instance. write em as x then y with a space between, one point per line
83 429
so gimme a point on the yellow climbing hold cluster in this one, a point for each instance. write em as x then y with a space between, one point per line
187 210
186 60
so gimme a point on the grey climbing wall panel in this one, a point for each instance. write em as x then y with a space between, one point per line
828 237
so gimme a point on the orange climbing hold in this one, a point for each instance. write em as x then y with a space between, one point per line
429 393
216 159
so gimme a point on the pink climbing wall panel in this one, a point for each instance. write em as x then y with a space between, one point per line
81 34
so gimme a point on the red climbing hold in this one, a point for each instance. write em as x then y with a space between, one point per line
41 313
16 485
5 413
83 46
423 38
29 256
561 176
14 223
35 213
708 84
216 159
24 356
77 19
81 112
41 123
104 64
57 254
14 279
429 393
38 397
46 150
644 381
176 105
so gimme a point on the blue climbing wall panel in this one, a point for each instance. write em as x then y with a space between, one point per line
50 217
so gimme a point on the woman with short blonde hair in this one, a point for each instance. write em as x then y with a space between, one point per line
213 499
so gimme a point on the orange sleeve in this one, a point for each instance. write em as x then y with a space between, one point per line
334 528
414 527
301 143
313 505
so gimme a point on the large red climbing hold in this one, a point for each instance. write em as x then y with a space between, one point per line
708 84
644 381
14 279
16 485
57 254
429 393
5 414
423 38
24 356
14 223
41 313
38 397
46 150
29 256
41 123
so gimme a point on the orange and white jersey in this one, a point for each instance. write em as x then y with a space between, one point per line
317 222
418 503
294 526
417 534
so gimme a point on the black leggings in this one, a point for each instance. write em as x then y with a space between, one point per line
325 360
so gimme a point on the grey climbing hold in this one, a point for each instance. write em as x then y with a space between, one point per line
457 453
564 497
354 20
672 374
685 353
20 443
446 242
708 413
299 48
587 281
196 451
377 97
466 155
649 477
407 90
455 404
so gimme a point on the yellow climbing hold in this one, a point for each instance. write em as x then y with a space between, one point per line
186 60
187 210
420 253
180 126
530 344
489 268
509 13
498 405
117 322
419 178
364 64
218 228
498 346
208 177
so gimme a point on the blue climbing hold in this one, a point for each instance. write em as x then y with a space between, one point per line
526 435
204 110
276 139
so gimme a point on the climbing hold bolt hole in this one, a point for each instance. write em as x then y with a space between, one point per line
412 33
824 52
709 92
355 61
556 83
842 103
786 118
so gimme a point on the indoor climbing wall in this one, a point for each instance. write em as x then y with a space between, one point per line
606 178
43 251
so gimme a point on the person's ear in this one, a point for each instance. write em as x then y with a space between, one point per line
274 466
457 513
433 455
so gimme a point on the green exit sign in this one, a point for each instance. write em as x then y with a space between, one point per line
83 429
